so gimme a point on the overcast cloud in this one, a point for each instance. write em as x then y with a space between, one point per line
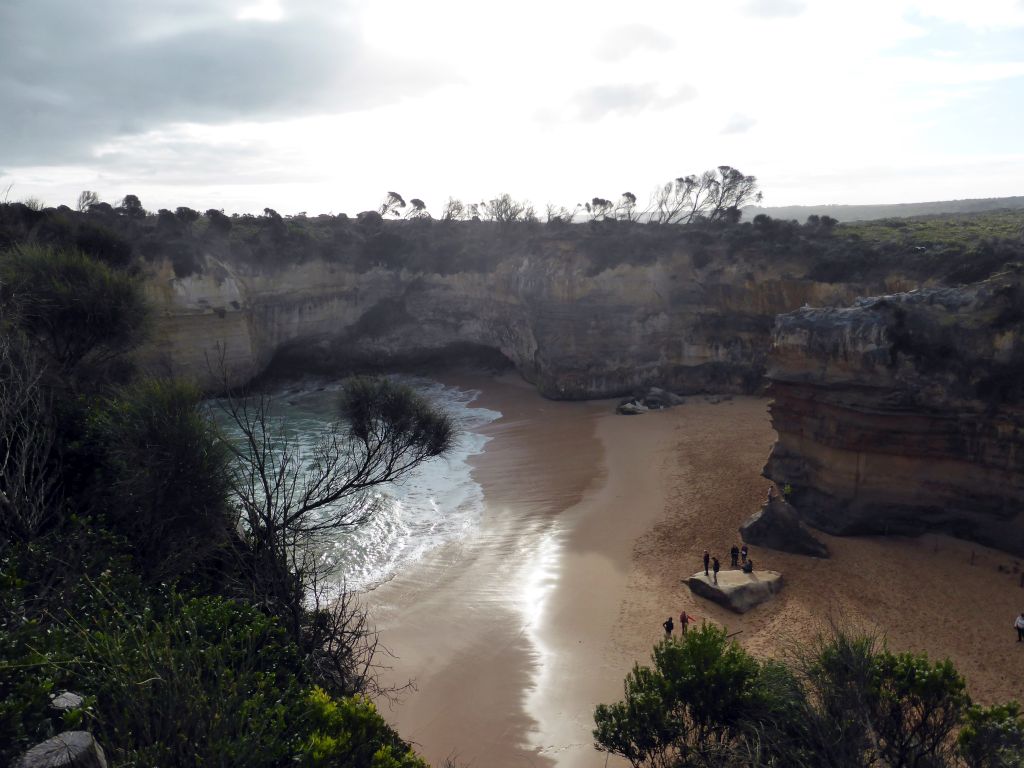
324 105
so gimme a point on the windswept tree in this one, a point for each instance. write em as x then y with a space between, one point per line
730 192
626 209
392 202
417 209
599 208
713 195
293 504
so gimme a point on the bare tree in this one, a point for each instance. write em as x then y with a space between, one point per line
453 210
85 199
559 214
29 489
505 210
292 504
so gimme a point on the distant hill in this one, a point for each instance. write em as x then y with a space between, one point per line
898 210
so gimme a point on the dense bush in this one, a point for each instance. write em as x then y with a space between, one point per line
349 733
76 309
164 478
845 701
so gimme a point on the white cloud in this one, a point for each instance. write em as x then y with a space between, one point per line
551 101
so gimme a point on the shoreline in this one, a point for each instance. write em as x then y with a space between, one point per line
591 520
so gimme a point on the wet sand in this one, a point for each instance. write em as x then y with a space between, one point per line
514 634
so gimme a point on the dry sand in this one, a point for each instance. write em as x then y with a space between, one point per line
514 634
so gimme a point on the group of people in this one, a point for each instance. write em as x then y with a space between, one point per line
684 622
740 559
711 564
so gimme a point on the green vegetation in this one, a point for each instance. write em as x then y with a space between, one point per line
844 701
964 230
172 577
696 214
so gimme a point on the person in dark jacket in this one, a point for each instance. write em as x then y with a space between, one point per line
715 567
707 559
735 554
743 553
669 626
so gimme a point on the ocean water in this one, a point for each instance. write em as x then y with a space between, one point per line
437 503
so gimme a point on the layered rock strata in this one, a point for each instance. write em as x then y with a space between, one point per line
905 413
569 328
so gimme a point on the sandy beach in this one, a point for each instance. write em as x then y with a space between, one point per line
515 633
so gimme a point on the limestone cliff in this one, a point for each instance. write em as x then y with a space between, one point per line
905 413
574 328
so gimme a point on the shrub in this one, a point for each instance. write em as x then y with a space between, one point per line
993 737
75 308
165 475
203 681
689 708
349 733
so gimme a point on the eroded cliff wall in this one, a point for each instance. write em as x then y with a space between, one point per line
573 329
905 413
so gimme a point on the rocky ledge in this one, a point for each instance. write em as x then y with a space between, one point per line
736 590
905 413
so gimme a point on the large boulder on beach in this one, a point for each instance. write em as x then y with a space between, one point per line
778 526
736 590
71 749
654 399
631 408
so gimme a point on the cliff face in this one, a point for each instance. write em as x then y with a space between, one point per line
574 331
905 413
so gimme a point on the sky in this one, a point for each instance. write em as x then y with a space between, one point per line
323 106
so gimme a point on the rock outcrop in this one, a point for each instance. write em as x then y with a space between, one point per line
672 317
777 525
736 590
655 399
905 413
71 749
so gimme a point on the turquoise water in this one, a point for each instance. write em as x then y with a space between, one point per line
436 504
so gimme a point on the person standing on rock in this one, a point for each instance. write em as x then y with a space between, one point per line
735 554
715 567
707 559
669 626
1019 625
743 552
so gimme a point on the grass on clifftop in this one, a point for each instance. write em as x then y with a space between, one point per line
953 229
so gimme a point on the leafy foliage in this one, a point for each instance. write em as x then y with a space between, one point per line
165 479
847 703
74 308
350 733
